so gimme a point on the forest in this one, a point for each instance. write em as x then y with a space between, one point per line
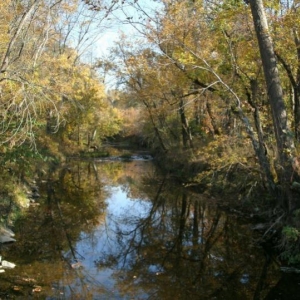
211 88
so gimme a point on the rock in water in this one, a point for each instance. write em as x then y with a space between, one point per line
6 235
6 239
7 265
6 231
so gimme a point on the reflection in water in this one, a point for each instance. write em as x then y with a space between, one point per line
116 230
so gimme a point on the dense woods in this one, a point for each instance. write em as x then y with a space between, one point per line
211 87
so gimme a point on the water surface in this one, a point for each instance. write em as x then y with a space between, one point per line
119 230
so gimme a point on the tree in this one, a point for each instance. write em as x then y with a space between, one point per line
287 50
285 145
43 45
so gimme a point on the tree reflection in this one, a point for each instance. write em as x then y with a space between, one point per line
182 248
116 230
72 202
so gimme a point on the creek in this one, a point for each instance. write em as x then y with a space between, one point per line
112 229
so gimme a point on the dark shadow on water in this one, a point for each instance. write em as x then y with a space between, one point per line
287 288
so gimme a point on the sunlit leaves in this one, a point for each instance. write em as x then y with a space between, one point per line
42 71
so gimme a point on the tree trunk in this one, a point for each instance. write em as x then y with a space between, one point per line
185 128
156 130
212 119
260 146
283 138
295 82
296 88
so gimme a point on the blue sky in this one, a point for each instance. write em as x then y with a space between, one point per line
119 16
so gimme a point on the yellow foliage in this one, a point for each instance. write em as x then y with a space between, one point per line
43 77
